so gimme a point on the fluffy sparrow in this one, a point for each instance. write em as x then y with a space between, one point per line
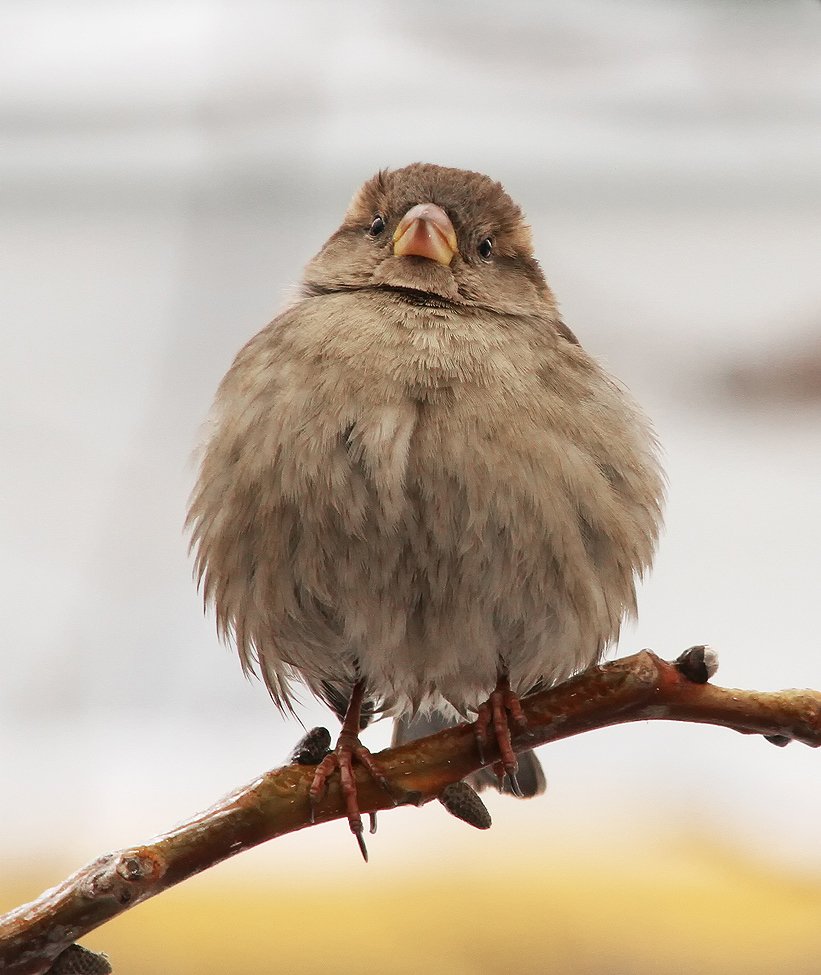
420 495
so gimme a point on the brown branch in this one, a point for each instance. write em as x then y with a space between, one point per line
635 688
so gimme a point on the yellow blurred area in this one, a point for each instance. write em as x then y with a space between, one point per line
686 907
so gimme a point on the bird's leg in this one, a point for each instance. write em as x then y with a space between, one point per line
499 710
349 749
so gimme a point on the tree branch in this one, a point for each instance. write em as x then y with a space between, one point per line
636 688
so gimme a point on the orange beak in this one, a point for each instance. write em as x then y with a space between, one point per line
426 231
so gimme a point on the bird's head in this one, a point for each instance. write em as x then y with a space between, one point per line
434 235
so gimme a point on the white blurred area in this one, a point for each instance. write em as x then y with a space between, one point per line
165 172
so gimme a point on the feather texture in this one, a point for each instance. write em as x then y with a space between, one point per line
416 475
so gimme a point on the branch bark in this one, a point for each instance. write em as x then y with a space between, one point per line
636 688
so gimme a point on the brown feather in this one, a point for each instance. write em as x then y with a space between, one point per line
417 475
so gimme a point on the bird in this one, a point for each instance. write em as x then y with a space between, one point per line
418 495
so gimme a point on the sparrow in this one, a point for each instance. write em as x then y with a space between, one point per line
419 496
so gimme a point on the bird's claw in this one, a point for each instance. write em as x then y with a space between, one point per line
348 750
360 839
502 707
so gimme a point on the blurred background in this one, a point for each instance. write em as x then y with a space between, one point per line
166 171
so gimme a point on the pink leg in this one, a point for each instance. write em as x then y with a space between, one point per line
499 710
348 750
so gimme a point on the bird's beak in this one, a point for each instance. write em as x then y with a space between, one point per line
426 231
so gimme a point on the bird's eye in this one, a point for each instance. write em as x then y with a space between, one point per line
377 226
486 248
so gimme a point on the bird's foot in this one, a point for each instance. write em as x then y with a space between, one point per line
500 709
349 750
